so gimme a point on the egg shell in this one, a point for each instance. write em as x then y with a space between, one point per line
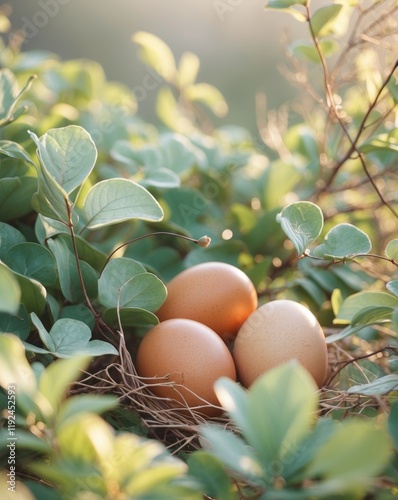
190 354
275 333
216 294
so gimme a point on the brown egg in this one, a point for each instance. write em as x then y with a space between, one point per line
216 294
189 354
275 333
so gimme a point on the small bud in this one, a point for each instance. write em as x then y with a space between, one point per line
204 241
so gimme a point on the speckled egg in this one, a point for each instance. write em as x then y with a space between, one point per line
216 294
192 357
275 333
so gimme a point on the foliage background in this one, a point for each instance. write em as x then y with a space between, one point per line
239 48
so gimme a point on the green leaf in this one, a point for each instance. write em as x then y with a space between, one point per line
294 471
391 250
79 312
144 291
235 400
85 403
324 20
179 154
160 178
51 200
234 453
210 472
344 241
392 424
156 54
208 95
129 317
68 154
69 337
346 332
18 324
33 294
68 272
393 88
15 150
9 236
302 222
346 468
394 319
59 375
281 411
115 274
10 291
287 6
377 387
116 200
19 202
8 94
34 261
361 300
281 178
372 314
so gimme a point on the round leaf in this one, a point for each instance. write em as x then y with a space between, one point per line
302 222
34 261
68 154
116 200
145 291
344 241
116 273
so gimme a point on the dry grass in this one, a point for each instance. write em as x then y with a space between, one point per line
178 427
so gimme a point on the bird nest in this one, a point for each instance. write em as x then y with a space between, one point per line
178 428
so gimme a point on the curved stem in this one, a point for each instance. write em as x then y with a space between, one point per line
204 241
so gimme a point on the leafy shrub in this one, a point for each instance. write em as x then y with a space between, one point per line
98 210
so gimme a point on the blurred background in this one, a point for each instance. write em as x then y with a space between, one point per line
240 45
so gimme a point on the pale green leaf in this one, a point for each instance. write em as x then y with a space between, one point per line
234 453
144 291
281 411
302 222
68 154
211 473
348 466
377 387
116 274
391 250
344 241
372 314
15 150
358 301
116 200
